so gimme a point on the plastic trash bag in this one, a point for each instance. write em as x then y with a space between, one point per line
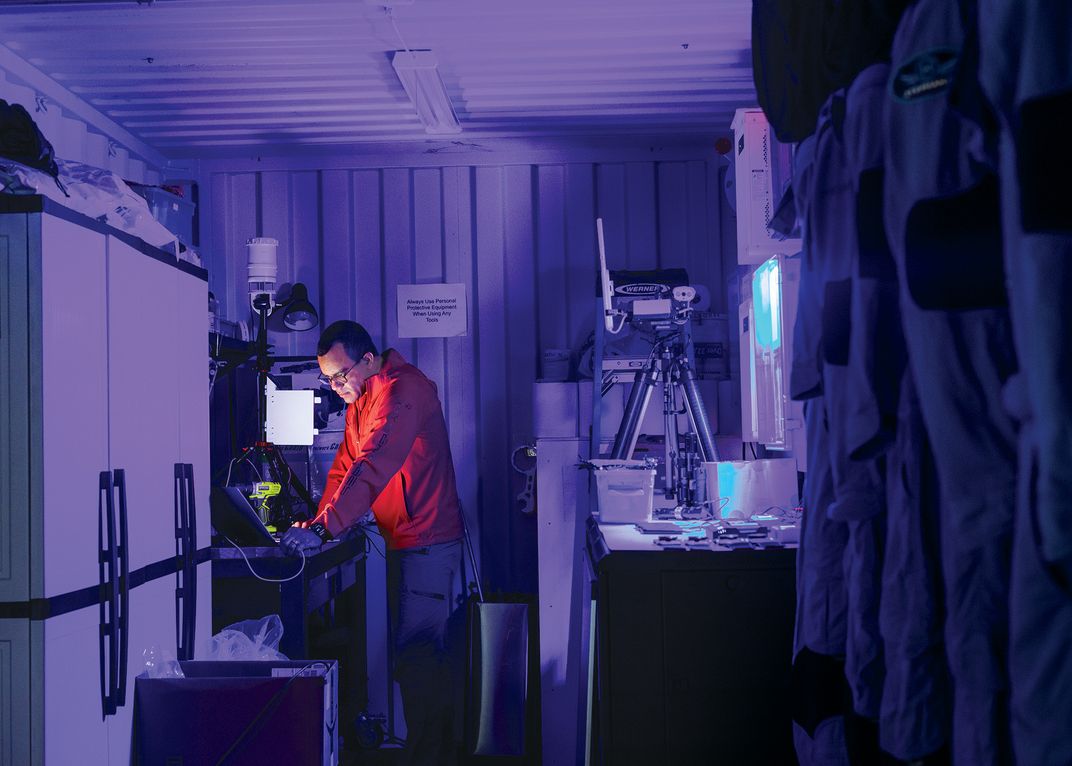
160 663
94 192
100 193
246 640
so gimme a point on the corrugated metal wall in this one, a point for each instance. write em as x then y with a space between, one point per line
522 239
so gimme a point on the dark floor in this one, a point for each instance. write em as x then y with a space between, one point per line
388 756
382 757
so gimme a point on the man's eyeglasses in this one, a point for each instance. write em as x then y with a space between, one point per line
338 379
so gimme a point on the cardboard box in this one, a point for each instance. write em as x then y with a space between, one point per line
239 713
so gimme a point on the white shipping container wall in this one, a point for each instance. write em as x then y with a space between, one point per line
522 239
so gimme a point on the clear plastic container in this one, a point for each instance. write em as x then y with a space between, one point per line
174 212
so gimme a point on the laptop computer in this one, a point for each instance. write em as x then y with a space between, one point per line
233 516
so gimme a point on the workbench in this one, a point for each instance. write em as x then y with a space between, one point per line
322 610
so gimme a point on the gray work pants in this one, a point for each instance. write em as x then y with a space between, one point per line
421 584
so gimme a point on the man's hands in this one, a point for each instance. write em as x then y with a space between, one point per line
300 538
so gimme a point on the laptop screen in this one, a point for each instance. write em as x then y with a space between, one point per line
233 516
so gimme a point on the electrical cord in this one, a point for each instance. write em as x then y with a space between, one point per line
621 325
230 467
785 514
389 12
253 572
235 461
717 512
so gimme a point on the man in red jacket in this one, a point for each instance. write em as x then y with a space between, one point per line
395 460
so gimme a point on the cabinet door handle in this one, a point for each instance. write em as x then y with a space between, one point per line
122 553
106 565
186 561
191 564
180 556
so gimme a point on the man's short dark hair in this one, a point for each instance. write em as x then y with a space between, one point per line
354 338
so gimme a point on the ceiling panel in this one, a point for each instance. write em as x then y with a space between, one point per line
190 76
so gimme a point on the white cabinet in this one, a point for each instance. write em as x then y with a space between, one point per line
154 603
144 403
103 378
192 380
71 381
15 675
74 728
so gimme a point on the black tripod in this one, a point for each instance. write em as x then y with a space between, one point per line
274 467
669 364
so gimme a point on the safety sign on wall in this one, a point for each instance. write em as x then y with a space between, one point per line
432 311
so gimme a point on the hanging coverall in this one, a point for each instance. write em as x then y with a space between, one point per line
943 223
883 418
819 641
859 489
1025 70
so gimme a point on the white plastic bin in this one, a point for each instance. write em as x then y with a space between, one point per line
624 490
174 212
743 488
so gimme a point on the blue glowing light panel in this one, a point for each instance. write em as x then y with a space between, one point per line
771 315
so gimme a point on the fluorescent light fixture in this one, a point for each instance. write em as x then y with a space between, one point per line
419 76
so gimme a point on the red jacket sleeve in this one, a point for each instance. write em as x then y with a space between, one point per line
394 421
